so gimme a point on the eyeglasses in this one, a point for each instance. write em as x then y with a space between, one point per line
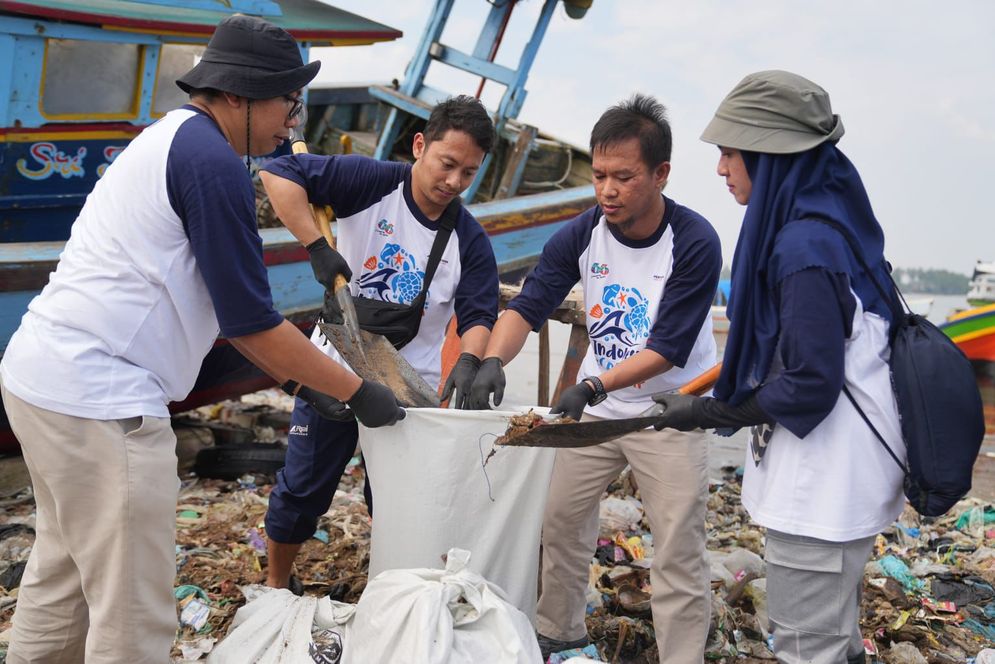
297 105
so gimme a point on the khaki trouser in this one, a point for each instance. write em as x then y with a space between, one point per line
671 469
98 583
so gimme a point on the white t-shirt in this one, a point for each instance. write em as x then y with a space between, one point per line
654 293
164 254
386 239
838 483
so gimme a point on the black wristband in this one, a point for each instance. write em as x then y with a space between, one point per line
599 391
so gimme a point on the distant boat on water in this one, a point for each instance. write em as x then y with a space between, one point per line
981 290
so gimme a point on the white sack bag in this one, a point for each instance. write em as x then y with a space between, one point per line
431 494
276 627
432 616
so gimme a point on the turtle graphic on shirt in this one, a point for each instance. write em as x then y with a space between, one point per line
391 276
618 324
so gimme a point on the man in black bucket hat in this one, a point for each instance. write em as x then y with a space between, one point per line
164 255
252 58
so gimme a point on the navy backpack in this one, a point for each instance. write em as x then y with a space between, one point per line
939 404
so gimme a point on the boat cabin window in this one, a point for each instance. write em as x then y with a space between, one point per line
174 61
90 78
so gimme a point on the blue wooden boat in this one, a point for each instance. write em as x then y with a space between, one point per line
79 80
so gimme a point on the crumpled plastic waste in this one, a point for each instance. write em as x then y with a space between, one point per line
898 570
575 656
926 589
986 656
966 590
905 653
619 515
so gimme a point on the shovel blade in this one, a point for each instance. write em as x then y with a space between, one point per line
374 358
579 434
586 434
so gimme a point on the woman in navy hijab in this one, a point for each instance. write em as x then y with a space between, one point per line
805 321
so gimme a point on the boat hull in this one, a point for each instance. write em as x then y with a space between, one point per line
974 332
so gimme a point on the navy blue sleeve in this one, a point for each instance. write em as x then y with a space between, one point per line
349 183
477 290
210 190
816 317
557 272
689 291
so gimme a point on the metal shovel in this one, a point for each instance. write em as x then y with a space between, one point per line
370 356
586 434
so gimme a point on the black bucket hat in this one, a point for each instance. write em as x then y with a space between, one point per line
251 58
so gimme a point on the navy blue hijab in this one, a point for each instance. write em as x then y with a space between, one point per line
779 237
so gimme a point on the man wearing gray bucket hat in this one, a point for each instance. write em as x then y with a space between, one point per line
164 255
807 323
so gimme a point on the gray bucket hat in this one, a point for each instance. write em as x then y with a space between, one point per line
252 58
776 112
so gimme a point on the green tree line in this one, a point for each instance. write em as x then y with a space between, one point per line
936 282
917 280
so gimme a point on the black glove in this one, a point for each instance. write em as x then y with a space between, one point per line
489 379
327 263
331 311
326 406
685 412
460 379
573 400
375 405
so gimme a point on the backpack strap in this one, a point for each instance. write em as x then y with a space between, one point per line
897 312
863 416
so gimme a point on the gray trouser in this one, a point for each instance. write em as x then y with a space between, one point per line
813 597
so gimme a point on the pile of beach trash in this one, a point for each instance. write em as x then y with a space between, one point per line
929 590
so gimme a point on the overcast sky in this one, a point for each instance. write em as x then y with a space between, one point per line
914 82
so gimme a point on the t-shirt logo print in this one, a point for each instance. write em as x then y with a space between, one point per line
599 270
620 323
385 228
393 276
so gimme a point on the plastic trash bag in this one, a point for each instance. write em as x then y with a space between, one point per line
898 570
431 616
431 493
986 656
278 627
905 653
743 561
619 515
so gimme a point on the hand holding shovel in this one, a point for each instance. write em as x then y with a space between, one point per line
586 434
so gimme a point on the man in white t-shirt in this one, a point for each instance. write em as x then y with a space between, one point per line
649 268
164 254
389 215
